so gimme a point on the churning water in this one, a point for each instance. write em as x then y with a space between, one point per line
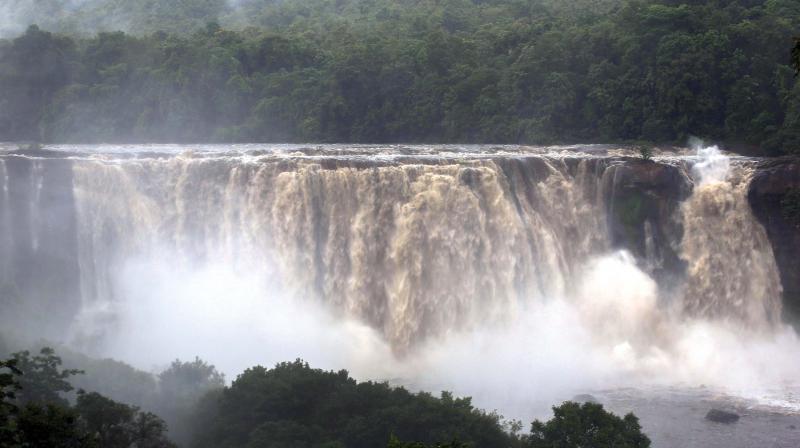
520 276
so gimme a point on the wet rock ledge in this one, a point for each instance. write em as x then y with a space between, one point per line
774 197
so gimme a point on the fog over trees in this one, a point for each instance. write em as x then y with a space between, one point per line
412 71
290 404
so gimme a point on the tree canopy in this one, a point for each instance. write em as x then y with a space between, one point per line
289 405
35 413
577 425
41 378
293 404
500 71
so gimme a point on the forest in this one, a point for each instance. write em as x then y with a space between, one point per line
289 405
467 71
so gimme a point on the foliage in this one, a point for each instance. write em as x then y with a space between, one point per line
630 209
503 71
181 387
796 56
394 442
646 152
33 414
9 386
189 380
119 425
288 405
114 379
42 380
36 423
8 394
587 425
50 425
172 395
295 405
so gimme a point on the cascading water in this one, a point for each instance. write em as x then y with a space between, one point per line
412 249
537 270
5 236
730 277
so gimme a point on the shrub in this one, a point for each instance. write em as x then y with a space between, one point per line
588 425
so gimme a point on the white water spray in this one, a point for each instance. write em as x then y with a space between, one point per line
493 277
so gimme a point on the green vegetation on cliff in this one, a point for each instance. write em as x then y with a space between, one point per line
503 71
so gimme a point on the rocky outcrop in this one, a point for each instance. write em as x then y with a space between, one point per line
642 197
720 416
773 185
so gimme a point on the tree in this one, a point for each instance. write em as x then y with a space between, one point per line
181 387
36 423
33 414
502 71
189 380
9 386
106 419
646 152
116 425
588 425
33 69
796 56
42 379
295 405
51 425
394 442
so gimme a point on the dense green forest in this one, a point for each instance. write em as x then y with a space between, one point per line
34 412
290 405
499 71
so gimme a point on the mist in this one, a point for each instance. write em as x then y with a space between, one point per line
612 334
501 199
226 299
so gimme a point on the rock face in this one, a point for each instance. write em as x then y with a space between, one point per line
773 184
412 245
720 416
642 197
39 272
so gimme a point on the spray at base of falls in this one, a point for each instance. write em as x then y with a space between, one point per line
491 276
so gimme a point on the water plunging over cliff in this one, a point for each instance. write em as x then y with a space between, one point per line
619 262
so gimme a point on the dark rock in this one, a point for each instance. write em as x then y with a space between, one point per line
40 248
720 416
585 398
773 181
642 198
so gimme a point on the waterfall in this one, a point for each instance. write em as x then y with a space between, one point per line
5 228
417 246
412 249
728 277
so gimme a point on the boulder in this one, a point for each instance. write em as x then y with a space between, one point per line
720 416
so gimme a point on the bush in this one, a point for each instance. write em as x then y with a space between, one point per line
587 425
295 405
646 153
33 412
